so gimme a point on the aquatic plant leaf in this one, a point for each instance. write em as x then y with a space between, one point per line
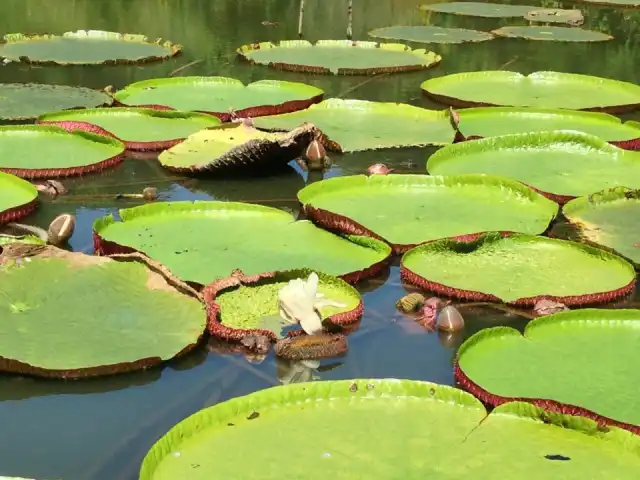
67 314
610 219
555 15
356 125
138 128
333 419
29 239
538 89
406 210
235 148
204 241
519 269
17 198
495 121
556 34
339 57
85 47
479 9
26 101
216 95
560 164
430 34
67 153
615 3
547 365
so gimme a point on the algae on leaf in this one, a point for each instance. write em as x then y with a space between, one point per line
430 34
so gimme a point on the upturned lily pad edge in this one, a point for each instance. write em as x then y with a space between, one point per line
548 405
237 278
409 276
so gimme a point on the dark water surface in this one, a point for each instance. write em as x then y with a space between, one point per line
101 429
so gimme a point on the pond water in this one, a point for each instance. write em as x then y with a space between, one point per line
101 429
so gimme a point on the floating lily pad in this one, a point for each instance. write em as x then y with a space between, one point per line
238 306
555 15
70 315
253 238
216 95
609 218
556 34
339 57
355 425
477 9
615 3
355 125
17 198
27 101
559 164
430 34
406 210
495 121
519 269
90 47
538 89
547 365
138 128
67 153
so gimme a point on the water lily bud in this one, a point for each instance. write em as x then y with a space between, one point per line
450 319
379 169
315 155
150 194
548 307
61 229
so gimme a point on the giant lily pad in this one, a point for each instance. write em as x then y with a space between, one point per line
27 101
615 3
494 121
138 128
556 34
67 314
355 125
217 95
340 57
477 9
547 365
519 269
555 15
91 47
609 218
430 34
237 148
355 425
205 241
239 306
45 151
406 210
560 164
17 198
538 89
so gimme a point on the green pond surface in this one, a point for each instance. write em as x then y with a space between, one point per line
101 429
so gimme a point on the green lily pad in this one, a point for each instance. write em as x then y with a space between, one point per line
349 426
477 9
430 34
67 153
538 89
27 101
547 365
555 15
85 47
495 121
129 317
609 218
406 210
519 269
556 34
560 164
356 125
340 57
17 198
615 3
138 128
216 95
253 238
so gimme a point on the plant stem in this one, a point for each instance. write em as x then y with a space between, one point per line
300 18
349 19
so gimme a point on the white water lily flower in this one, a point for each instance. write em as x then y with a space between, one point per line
299 301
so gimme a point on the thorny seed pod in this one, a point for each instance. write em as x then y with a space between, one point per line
547 307
52 188
379 169
61 229
410 303
315 155
304 347
450 319
150 194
